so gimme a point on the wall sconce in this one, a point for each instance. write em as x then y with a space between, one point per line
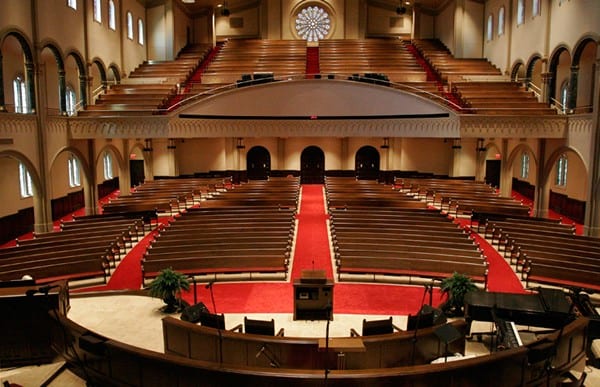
480 147
171 144
456 144
386 143
147 145
240 143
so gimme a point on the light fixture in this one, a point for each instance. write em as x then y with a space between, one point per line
224 9
386 143
188 1
240 143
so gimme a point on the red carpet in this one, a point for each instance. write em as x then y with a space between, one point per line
312 61
551 214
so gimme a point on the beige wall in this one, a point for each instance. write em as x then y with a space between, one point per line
385 22
9 180
496 50
133 52
444 26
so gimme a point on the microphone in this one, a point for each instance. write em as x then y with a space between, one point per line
262 349
209 285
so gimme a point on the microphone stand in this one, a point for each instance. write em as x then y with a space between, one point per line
212 298
414 338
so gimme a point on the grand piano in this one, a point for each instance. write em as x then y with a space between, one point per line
546 308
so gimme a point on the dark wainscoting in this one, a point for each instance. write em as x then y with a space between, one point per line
108 186
569 207
524 188
284 173
15 225
65 205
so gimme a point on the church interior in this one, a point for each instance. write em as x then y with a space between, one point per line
300 192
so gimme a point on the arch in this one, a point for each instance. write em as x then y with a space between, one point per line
85 167
258 163
552 160
139 169
114 70
518 71
514 157
114 151
580 46
26 47
553 69
366 163
582 74
62 85
81 67
53 47
530 74
312 165
35 177
325 5
101 69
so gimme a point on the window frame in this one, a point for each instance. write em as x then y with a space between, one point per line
20 95
140 26
112 16
25 182
562 165
525 160
107 164
74 172
520 12
489 33
97 11
129 20
501 21
70 101
536 8
72 4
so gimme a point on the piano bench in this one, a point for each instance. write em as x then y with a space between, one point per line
595 348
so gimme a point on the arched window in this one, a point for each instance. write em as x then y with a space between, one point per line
20 95
108 166
536 7
26 187
129 25
74 174
501 21
520 12
72 4
525 165
561 171
112 17
71 101
140 32
490 27
97 11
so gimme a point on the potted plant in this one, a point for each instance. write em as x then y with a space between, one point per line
168 285
456 287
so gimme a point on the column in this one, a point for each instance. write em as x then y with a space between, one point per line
505 175
148 162
90 191
2 103
385 176
572 89
83 90
344 154
172 157
480 160
455 164
124 171
592 216
540 205
280 154
546 87
30 82
62 92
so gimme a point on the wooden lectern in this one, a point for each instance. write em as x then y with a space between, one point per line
313 296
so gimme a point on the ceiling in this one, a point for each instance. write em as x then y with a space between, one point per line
202 6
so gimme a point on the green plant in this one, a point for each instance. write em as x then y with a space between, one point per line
168 285
456 286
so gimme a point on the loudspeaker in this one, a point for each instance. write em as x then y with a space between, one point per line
192 312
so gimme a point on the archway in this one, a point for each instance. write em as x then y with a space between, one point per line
312 166
73 186
560 68
139 170
366 163
109 170
518 72
534 73
258 163
582 76
523 169
16 60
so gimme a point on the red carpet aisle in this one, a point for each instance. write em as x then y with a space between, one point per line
501 277
312 61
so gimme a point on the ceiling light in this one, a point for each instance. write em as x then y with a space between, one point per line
188 1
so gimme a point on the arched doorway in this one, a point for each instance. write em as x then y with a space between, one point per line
366 163
258 163
312 166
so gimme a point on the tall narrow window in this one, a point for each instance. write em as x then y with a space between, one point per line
129 25
536 8
71 101
74 174
490 28
140 32
25 184
20 95
561 171
501 21
112 17
97 11
564 95
72 4
520 12
525 165
108 166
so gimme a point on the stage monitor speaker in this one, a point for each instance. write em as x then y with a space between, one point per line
192 312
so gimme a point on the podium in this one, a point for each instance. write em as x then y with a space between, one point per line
313 296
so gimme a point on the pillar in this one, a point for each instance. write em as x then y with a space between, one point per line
541 202
592 216
344 154
90 191
62 92
172 158
455 163
124 171
148 162
546 87
30 82
505 171
83 90
572 89
280 154
480 152
2 102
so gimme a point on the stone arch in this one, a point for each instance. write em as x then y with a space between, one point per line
98 64
312 165
41 220
553 66
89 181
258 163
581 96
81 68
26 47
114 71
62 85
514 157
531 75
114 151
518 71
